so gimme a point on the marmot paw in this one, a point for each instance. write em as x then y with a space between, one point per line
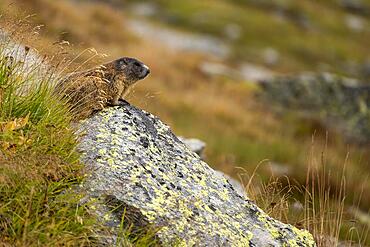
123 102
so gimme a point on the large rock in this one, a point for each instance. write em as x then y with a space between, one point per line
137 166
355 6
340 103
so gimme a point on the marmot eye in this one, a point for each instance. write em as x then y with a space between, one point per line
137 64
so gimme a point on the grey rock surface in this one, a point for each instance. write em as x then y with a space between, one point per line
355 6
237 185
28 58
197 146
340 103
137 166
27 63
180 41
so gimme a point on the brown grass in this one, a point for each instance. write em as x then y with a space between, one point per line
321 208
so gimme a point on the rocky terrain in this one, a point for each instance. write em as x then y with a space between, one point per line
340 103
137 167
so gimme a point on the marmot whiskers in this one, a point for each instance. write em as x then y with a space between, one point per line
92 90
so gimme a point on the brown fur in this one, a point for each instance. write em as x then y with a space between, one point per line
93 90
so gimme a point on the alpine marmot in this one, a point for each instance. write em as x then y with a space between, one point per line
94 89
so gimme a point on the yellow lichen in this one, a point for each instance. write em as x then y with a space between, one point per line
186 194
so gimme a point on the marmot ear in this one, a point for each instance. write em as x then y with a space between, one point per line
120 63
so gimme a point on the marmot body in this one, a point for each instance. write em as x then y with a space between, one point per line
92 90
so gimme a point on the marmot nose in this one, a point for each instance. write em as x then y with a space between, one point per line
146 70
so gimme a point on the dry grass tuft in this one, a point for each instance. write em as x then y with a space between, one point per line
320 207
39 164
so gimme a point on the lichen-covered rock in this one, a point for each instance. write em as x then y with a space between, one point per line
238 187
340 103
136 166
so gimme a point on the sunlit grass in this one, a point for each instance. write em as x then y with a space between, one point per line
39 165
38 160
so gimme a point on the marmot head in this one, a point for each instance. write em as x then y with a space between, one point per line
131 69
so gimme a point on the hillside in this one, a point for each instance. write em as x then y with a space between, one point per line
245 137
287 36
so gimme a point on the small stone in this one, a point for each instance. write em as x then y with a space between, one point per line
355 23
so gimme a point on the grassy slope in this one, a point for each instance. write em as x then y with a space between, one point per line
238 130
325 40
38 160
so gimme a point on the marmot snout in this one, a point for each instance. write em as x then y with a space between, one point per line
131 69
92 90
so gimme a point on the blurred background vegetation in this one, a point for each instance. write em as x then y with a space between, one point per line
208 59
